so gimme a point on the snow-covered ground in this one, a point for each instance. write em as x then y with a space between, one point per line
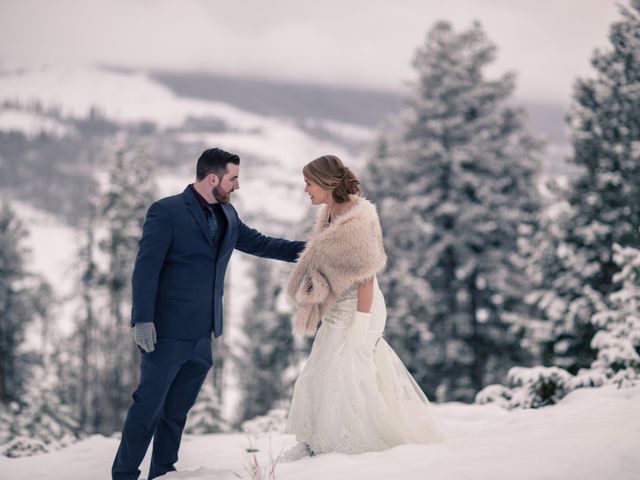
590 434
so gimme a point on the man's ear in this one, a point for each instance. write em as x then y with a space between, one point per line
213 180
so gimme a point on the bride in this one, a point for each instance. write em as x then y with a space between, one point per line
354 394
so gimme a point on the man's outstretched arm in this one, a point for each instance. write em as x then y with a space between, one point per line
255 243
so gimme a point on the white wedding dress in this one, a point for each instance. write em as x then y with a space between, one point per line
358 399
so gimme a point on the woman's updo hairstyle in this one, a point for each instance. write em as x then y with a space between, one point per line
330 173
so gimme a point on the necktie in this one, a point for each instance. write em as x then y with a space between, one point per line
212 221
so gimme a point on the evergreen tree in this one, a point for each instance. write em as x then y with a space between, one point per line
88 325
268 347
617 342
43 423
542 251
455 187
21 302
206 417
618 338
129 193
603 199
6 418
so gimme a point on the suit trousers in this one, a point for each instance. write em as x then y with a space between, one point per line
170 378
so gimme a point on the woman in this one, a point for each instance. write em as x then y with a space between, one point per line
354 394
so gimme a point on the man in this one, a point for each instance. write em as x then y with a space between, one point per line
177 286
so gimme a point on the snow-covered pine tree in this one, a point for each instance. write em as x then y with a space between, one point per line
541 251
6 418
533 387
85 337
269 346
206 415
617 342
42 423
20 305
459 193
618 339
603 198
129 193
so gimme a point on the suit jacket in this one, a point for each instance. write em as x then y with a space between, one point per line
178 278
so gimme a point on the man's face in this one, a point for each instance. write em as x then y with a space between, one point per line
228 184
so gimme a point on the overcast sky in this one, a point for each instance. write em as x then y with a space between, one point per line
367 43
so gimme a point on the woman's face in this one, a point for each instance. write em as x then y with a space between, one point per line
317 194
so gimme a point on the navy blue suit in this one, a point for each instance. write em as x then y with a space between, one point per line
178 284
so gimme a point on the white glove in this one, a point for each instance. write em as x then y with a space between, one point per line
357 332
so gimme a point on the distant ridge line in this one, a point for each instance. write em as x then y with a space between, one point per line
299 101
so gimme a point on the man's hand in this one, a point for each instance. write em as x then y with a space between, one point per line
145 336
359 328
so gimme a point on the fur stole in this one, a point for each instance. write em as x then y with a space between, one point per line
338 256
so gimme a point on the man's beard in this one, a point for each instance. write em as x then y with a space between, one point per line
220 195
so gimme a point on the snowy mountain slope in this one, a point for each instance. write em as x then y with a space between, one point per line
32 124
131 97
120 97
592 434
273 149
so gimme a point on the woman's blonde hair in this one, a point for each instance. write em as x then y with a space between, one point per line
329 173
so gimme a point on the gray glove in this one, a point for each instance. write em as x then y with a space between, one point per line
145 336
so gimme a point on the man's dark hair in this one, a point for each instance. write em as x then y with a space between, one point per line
214 160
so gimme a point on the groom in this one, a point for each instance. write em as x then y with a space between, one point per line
177 286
